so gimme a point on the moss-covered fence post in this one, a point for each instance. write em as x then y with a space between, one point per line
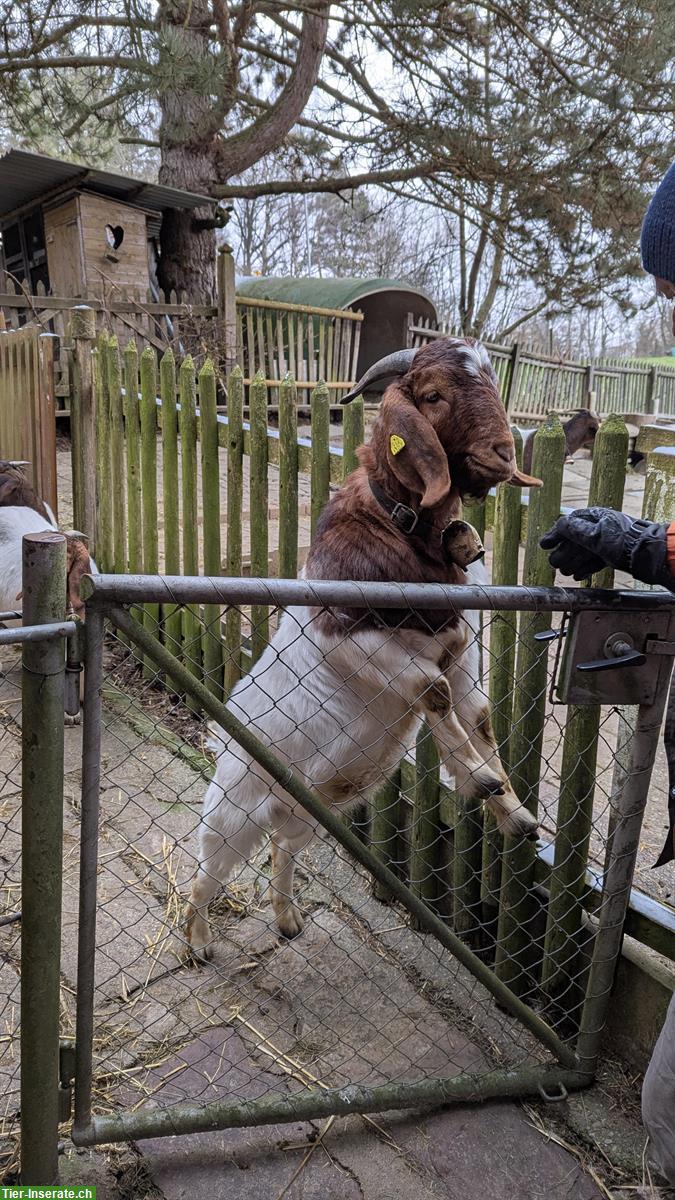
518 904
561 967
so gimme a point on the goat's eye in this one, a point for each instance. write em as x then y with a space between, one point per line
432 397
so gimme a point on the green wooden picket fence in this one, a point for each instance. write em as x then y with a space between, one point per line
164 448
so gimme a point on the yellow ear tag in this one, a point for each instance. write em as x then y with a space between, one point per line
396 443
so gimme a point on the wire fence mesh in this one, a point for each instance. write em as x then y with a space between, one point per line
10 905
318 982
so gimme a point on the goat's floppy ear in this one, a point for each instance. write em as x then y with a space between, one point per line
414 453
519 479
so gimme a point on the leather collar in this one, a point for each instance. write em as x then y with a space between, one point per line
409 522
406 519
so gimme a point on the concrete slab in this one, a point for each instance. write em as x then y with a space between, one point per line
140 767
491 1150
232 1163
459 1154
159 837
130 923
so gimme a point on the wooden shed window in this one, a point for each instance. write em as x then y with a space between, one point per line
24 250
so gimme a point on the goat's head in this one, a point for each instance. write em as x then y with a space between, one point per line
581 429
442 424
16 491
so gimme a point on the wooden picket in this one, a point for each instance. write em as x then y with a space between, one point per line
561 969
515 929
27 407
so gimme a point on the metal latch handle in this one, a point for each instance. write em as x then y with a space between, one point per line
619 654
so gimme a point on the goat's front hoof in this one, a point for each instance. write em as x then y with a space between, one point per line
289 921
486 785
198 937
519 823
72 719
438 697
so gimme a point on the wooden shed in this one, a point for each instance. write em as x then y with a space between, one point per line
78 231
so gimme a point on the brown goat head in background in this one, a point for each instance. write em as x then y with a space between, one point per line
15 490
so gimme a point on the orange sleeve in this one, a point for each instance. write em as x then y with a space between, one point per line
670 548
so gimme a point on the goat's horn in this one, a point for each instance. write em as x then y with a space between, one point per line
397 363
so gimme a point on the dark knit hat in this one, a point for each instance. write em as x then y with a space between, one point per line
658 231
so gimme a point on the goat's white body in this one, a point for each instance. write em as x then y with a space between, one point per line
335 727
341 710
15 521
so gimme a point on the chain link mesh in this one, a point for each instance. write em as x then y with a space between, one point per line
360 995
10 904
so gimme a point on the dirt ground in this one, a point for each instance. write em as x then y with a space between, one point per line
358 997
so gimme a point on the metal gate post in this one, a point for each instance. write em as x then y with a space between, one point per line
629 811
86 948
43 676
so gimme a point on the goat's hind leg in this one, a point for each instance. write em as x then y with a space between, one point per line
229 835
197 928
287 843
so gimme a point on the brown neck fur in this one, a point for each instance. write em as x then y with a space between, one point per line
356 539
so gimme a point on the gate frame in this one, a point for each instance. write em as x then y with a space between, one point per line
104 595
43 637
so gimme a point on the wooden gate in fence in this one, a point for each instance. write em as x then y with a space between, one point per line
27 407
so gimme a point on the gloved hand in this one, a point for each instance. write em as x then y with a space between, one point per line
591 538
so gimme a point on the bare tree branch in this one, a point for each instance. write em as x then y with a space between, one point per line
336 184
70 61
238 152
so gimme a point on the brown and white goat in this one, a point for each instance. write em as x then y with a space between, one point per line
340 694
579 432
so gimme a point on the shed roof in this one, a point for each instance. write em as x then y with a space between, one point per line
322 293
25 177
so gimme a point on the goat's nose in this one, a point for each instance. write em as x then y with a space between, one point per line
504 450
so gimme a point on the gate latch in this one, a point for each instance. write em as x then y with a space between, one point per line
66 1077
619 652
615 656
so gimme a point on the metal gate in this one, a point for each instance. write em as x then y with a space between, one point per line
370 1007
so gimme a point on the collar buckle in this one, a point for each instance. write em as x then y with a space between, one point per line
404 518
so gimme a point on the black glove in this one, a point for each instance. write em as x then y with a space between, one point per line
592 538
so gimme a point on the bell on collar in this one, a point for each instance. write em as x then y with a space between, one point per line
462 543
